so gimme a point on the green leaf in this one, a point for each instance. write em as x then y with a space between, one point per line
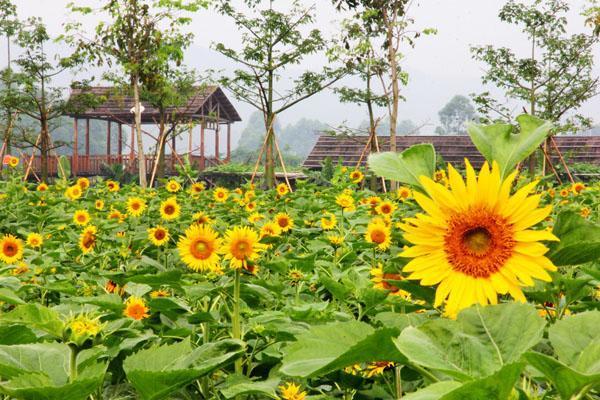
10 297
161 370
576 341
477 344
579 240
497 142
242 386
405 167
567 381
330 347
434 391
41 371
494 387
35 316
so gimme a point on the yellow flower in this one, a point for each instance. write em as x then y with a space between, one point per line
255 217
158 235
83 183
282 189
197 187
250 207
335 240
81 217
403 193
87 239
42 187
386 208
345 201
199 248
159 293
270 229
551 192
241 246
564 192
11 249
112 186
99 204
377 368
577 187
356 176
13 162
116 214
173 186
170 209
136 206
73 192
284 221
380 281
135 308
83 327
328 221
379 234
249 195
585 212
291 391
220 195
202 218
474 239
35 240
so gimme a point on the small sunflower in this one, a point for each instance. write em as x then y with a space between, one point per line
87 239
328 221
42 187
135 308
83 183
270 229
380 281
335 240
81 217
197 188
345 201
291 391
159 293
173 186
386 208
13 162
255 217
99 204
220 195
136 206
240 246
356 176
284 221
403 193
170 209
11 249
202 218
158 235
112 186
379 234
199 248
577 187
282 189
35 240
475 239
73 192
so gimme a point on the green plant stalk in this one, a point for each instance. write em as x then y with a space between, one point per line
398 381
235 319
73 363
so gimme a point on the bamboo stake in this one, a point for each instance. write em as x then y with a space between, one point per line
287 181
382 179
262 150
562 160
548 161
30 163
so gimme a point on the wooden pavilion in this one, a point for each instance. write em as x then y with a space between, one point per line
208 109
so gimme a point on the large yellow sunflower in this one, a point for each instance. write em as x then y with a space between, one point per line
379 234
11 249
73 192
199 248
136 206
170 209
241 245
87 239
158 235
474 239
220 195
284 221
81 217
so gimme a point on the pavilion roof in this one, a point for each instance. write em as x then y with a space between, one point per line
116 106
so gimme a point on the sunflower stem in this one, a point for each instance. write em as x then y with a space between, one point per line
398 381
235 319
73 363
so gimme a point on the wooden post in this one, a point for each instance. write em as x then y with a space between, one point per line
173 152
190 140
108 140
217 129
120 144
228 141
87 146
202 156
75 148
132 152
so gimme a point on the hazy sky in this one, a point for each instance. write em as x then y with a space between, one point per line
439 67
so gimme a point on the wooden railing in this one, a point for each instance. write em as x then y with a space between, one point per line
92 165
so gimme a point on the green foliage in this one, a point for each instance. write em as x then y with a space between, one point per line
499 142
579 240
405 167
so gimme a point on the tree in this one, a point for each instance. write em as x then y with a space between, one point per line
454 115
389 20
272 41
9 26
554 79
141 37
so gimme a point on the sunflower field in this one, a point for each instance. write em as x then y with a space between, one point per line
474 284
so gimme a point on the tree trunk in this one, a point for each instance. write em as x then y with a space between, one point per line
269 177
138 132
162 140
44 148
372 129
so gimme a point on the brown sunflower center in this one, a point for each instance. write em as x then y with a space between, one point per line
9 249
201 250
378 236
159 234
169 209
478 243
241 249
135 206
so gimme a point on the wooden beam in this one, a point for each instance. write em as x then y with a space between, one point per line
120 144
228 141
202 156
190 139
108 139
132 151
173 152
217 129
87 137
75 148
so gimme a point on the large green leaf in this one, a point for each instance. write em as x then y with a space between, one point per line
434 391
494 387
35 316
240 385
159 371
326 348
405 167
41 371
10 297
579 240
498 142
477 344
